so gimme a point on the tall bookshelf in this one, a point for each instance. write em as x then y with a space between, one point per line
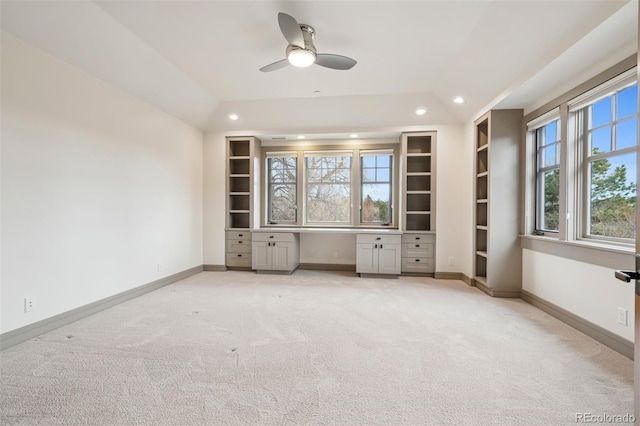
243 154
418 220
497 254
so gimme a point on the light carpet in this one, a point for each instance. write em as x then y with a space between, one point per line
315 347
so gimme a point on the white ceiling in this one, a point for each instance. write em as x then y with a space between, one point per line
199 60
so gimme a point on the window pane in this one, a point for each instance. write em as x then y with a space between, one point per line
376 202
613 197
627 102
551 133
601 113
328 203
550 157
282 189
550 201
368 161
283 203
383 175
328 189
627 133
601 140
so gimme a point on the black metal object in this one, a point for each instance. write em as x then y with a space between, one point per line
627 276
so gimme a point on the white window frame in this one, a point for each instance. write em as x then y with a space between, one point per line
307 184
377 153
579 109
269 185
533 129
355 152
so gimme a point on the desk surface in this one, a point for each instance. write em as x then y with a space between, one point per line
330 230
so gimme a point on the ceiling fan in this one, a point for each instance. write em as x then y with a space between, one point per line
301 52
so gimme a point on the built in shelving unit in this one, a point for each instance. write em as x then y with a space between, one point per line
418 151
243 154
497 254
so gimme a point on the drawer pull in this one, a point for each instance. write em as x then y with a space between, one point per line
375 246
417 260
417 238
378 238
270 236
239 242
380 245
239 255
418 245
239 235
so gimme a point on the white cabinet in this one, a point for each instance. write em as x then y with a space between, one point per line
273 251
378 254
418 253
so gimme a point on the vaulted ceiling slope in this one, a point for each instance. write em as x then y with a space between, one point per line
199 60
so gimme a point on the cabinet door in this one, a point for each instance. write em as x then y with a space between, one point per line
367 259
281 256
261 255
389 259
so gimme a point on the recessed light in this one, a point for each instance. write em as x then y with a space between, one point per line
458 100
421 111
317 92
233 116
300 136
353 135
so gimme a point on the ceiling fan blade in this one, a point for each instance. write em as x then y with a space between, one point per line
291 29
336 62
275 66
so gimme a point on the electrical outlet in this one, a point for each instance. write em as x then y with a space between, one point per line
451 261
317 253
336 254
29 304
622 316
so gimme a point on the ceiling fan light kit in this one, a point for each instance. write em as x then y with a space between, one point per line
300 58
301 52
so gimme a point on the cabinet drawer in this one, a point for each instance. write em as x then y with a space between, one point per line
418 238
238 246
239 235
417 249
377 239
242 260
417 264
272 236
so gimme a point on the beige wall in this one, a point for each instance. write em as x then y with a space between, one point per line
98 189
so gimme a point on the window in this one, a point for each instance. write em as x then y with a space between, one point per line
591 194
328 188
547 141
609 139
376 189
282 187
332 186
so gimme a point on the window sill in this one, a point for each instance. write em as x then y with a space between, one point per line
595 253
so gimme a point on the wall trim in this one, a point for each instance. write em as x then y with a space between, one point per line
602 335
214 268
468 280
448 276
497 293
22 334
327 267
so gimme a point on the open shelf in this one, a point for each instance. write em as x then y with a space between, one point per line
418 183
418 221
239 148
418 144
418 202
419 164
